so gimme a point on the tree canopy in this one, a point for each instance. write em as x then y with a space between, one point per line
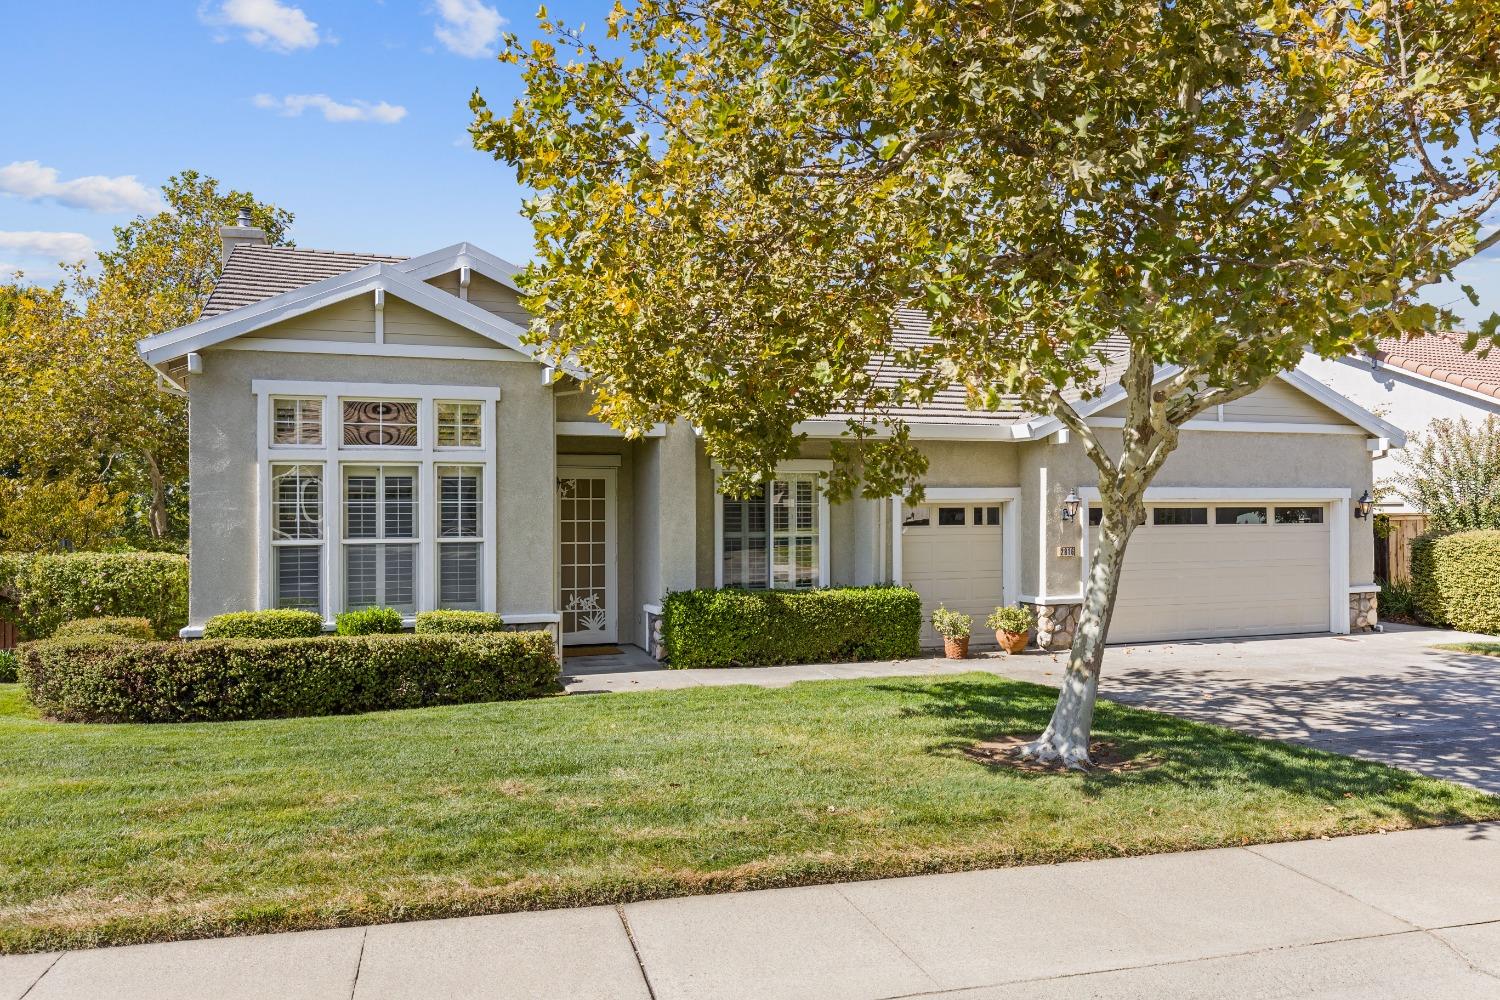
87 434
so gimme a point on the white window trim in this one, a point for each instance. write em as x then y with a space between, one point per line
792 466
333 456
1010 551
1335 498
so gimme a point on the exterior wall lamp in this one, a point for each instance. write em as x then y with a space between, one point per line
1070 505
1363 504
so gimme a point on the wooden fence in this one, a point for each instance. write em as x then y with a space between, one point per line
7 634
1393 554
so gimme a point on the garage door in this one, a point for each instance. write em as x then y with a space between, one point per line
1200 571
950 554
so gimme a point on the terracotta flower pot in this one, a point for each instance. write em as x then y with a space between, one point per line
1011 642
956 649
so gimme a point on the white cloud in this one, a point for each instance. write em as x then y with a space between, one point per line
48 247
30 180
267 24
292 106
468 27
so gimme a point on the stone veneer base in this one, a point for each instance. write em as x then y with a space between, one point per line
1364 611
1055 624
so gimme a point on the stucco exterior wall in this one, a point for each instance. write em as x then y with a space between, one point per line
222 455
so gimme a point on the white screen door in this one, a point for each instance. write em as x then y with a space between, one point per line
586 541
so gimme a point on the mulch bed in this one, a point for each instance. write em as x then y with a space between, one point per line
1106 756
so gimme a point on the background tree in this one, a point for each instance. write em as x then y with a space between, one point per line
1451 472
77 405
732 197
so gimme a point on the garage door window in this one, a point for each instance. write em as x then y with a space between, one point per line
1239 515
771 539
1299 515
950 516
1179 515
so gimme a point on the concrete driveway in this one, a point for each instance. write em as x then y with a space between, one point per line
1386 696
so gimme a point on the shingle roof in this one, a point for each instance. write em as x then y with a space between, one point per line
256 271
1442 357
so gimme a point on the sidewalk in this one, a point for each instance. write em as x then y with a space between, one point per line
1401 915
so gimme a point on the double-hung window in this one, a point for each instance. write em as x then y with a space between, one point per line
460 492
773 538
381 535
297 536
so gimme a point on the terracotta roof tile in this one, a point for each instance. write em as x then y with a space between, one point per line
1442 357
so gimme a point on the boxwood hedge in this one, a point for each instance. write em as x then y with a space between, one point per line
125 628
457 623
1456 580
752 628
109 679
277 623
370 621
42 591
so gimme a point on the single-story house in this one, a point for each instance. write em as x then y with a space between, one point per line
1412 383
371 430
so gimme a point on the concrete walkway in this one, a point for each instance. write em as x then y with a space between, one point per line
1402 915
1387 696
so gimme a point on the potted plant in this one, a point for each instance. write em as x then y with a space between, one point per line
1011 626
954 627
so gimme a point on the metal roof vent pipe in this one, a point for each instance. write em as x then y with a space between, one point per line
242 233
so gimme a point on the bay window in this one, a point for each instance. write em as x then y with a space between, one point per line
380 537
460 531
297 536
774 538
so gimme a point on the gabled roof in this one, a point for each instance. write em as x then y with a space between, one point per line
264 285
1442 357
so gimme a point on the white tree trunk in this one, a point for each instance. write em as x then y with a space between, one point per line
1066 738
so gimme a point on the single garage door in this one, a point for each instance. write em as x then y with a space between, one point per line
950 554
1196 571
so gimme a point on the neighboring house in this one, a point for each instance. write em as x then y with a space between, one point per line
1411 383
371 430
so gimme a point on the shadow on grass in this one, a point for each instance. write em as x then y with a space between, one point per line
1190 754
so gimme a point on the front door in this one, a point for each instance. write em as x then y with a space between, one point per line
586 539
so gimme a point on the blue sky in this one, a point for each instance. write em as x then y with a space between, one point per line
351 113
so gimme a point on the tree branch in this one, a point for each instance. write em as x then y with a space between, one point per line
1063 410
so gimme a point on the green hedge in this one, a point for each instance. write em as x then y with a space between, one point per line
125 628
41 592
753 628
280 623
370 621
1456 580
107 679
458 623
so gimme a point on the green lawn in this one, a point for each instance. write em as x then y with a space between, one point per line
1481 648
111 834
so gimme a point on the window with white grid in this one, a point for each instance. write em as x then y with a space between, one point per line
459 424
772 538
297 536
297 422
381 532
460 493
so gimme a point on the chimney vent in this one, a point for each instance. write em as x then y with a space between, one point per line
242 233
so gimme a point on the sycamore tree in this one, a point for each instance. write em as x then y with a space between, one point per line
78 407
731 197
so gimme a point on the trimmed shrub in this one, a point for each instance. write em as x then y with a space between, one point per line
278 623
370 621
7 667
753 628
1456 580
125 628
107 679
458 623
43 591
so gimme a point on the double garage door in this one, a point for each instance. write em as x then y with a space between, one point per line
1192 571
1197 571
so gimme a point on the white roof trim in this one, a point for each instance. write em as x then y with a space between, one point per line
451 258
401 280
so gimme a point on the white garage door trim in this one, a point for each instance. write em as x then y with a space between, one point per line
1336 497
1005 496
